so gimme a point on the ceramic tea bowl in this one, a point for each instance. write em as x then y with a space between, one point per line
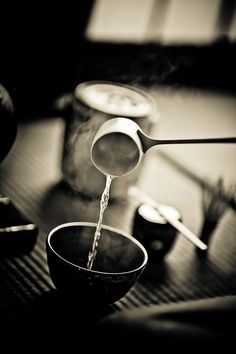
119 262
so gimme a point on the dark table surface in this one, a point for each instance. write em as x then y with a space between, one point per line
31 177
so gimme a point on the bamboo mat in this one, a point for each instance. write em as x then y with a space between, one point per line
31 177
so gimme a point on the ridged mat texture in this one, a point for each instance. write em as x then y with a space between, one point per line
31 176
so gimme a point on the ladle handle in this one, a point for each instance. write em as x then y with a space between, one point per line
149 142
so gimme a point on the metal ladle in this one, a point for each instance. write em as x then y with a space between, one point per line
119 145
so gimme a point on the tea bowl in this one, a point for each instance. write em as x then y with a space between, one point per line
119 262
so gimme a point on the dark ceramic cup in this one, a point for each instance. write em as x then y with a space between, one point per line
119 262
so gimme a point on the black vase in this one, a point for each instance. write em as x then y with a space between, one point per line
8 124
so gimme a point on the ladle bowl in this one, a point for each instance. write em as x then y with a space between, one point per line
119 146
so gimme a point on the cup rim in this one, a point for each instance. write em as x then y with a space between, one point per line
103 226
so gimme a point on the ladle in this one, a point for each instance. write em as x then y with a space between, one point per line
119 145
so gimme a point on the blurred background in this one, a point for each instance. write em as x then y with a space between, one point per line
182 51
177 42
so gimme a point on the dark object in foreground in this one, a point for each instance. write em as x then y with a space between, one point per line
17 233
154 232
195 322
8 124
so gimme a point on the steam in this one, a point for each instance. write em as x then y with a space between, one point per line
78 167
116 253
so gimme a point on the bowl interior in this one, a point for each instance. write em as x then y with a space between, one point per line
116 251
